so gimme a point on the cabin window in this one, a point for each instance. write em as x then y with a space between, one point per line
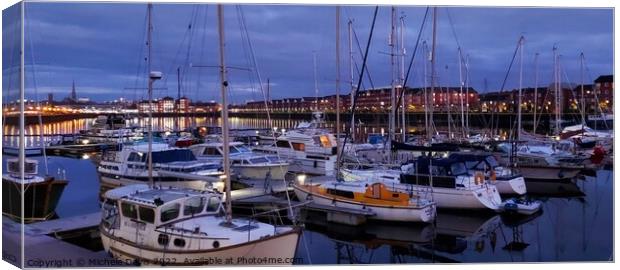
163 239
129 210
299 146
236 162
134 157
179 242
259 160
211 152
341 193
170 212
492 161
458 168
193 206
214 204
283 144
146 214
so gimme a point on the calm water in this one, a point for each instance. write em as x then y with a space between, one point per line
571 227
576 224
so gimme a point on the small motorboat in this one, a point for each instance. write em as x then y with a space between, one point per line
520 206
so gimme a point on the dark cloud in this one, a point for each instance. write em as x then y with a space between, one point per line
101 46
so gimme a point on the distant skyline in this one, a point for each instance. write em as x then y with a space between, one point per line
101 46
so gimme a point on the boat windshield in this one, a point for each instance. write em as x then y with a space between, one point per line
232 149
174 155
273 158
492 161
258 160
243 149
458 168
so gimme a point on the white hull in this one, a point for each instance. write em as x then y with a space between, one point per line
109 183
387 213
268 251
464 199
444 197
260 172
510 187
549 174
313 166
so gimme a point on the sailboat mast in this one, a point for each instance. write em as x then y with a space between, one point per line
461 83
426 103
224 85
583 98
402 76
467 95
432 99
150 94
535 90
178 106
556 57
519 105
316 82
338 84
350 30
393 92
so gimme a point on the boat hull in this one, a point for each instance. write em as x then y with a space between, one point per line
548 173
512 186
260 172
425 213
108 182
272 250
313 166
40 199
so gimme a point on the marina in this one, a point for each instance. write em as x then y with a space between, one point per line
246 173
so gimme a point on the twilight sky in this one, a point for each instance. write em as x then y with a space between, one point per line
102 47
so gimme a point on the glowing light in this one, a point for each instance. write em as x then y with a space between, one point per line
301 179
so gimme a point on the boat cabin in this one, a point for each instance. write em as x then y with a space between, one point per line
440 172
139 205
476 161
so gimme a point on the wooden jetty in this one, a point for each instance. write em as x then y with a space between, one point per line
43 250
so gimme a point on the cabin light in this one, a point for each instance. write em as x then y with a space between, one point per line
140 154
167 133
256 131
283 130
301 179
85 141
85 156
275 128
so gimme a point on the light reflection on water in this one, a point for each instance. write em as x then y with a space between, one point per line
575 224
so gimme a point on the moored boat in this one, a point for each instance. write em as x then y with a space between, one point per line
40 194
376 198
244 162
176 167
187 227
506 181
